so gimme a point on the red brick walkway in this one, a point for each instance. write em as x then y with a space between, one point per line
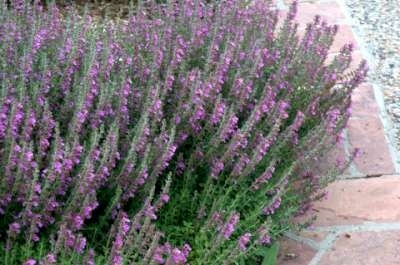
359 223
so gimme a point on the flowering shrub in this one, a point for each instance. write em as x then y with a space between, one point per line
186 135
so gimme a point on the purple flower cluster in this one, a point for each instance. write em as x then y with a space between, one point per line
123 230
113 125
166 254
230 226
269 210
244 240
264 237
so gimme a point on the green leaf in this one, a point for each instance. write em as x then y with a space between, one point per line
270 255
241 261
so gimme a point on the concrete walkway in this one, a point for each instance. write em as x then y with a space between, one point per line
359 223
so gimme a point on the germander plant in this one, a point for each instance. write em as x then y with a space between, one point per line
188 134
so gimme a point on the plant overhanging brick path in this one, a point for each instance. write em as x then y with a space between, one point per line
359 222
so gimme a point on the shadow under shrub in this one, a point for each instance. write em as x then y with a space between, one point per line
188 134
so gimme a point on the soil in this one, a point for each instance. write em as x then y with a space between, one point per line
98 9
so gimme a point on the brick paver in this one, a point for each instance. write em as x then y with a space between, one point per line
367 134
355 201
366 248
359 222
363 102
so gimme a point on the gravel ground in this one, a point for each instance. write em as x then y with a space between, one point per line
377 22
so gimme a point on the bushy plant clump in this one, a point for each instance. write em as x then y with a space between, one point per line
186 135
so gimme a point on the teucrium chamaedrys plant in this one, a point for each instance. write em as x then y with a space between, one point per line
187 134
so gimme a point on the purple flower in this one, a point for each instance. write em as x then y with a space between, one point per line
165 198
264 178
333 117
18 5
186 250
217 168
77 221
157 257
265 143
269 210
66 49
30 125
244 241
229 128
170 82
167 156
178 256
125 224
50 259
29 156
143 175
91 257
159 58
80 245
268 101
264 238
117 260
17 120
298 122
180 168
283 107
239 141
314 106
240 165
156 108
69 238
340 137
119 242
198 115
37 188
17 149
237 87
58 167
15 228
150 212
87 210
38 39
218 113
30 262
231 225
35 238
216 219
141 145
248 89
